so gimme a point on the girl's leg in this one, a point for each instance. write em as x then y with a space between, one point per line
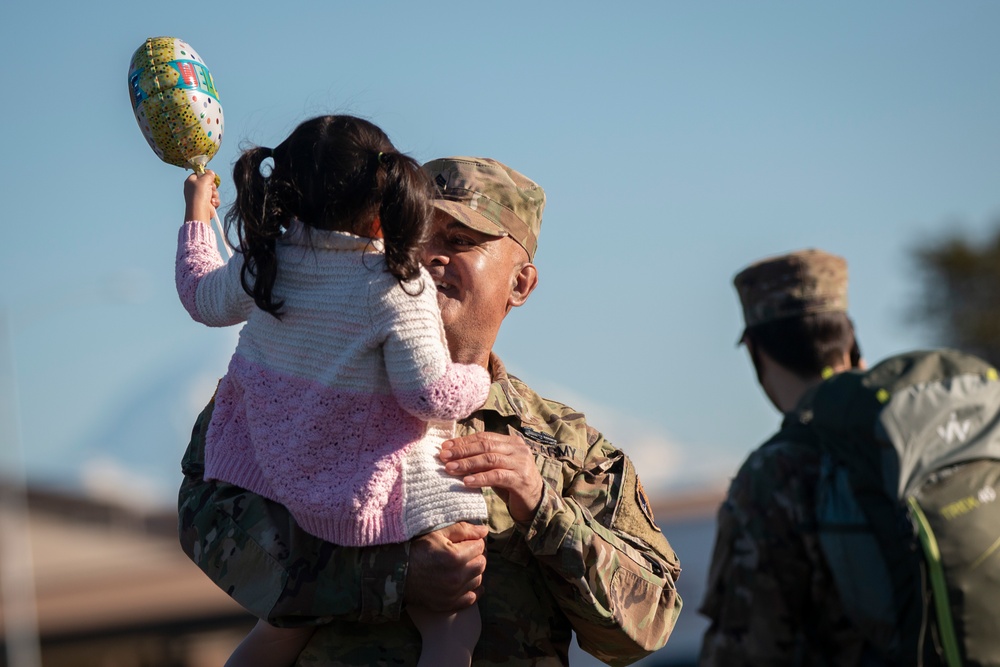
448 638
268 646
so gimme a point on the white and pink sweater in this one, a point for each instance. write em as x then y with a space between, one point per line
338 410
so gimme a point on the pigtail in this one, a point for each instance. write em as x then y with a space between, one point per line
258 217
404 213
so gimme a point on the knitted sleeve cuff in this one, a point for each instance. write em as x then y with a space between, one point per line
198 231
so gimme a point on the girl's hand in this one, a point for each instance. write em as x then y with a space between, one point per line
201 197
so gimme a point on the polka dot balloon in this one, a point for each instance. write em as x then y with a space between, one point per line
175 102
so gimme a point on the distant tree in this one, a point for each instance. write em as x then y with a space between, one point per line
961 292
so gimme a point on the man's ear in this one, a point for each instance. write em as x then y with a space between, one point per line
525 281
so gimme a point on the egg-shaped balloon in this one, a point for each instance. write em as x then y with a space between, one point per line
175 102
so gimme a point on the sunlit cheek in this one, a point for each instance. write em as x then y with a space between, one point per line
449 309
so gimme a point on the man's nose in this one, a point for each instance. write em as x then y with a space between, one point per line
434 253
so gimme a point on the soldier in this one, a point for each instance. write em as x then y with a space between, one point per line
770 597
571 542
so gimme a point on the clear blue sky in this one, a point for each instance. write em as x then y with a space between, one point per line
677 142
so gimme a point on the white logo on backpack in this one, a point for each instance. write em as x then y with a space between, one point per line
987 494
954 430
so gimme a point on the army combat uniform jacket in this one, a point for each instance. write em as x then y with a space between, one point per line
770 597
592 560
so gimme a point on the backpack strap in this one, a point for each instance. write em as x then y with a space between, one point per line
946 625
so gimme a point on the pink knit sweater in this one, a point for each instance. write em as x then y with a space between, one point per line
337 410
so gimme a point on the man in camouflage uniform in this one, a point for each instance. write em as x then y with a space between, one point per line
770 596
571 542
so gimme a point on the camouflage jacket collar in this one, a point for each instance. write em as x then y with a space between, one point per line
504 398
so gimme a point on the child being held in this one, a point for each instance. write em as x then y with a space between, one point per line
341 388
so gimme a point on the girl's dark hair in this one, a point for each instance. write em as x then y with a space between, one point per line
805 345
332 173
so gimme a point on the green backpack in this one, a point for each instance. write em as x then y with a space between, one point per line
907 510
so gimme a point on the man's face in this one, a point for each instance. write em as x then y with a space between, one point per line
477 279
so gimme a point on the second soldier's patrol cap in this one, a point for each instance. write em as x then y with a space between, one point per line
489 197
799 283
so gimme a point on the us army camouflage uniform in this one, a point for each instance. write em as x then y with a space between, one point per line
770 597
592 559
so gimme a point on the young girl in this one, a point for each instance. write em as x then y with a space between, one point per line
341 388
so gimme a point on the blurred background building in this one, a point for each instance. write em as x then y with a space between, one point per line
113 589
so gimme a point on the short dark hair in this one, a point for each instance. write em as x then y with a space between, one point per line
805 345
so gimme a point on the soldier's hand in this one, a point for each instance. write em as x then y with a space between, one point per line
446 568
503 462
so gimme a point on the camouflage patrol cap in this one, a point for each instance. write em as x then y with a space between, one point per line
799 283
489 197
